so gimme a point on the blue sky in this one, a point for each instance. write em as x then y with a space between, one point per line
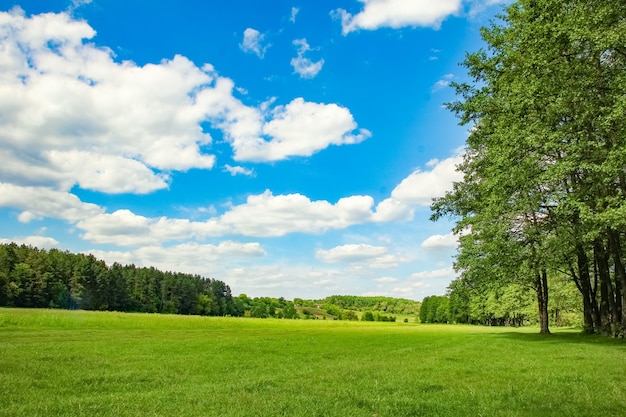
287 148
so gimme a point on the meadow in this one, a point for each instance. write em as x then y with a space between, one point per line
78 363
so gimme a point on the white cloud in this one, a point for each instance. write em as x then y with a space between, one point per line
434 54
419 284
386 280
121 227
303 128
300 128
391 209
294 13
187 257
72 115
268 215
42 242
440 241
106 173
65 98
420 187
477 7
397 14
302 65
350 253
362 257
447 273
237 170
77 3
253 42
263 215
27 217
38 202
286 280
442 84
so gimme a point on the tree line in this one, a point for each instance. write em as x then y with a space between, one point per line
354 307
503 305
543 194
32 277
373 303
39 278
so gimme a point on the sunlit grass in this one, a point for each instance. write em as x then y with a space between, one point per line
61 363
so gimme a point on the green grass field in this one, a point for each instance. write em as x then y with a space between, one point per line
62 363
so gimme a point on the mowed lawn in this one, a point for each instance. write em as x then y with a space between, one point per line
76 363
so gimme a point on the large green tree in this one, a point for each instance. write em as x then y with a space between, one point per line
544 166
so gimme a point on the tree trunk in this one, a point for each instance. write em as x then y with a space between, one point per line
607 300
541 286
589 302
620 279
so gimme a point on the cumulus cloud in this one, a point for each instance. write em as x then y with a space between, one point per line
72 115
447 273
350 253
391 209
268 215
386 280
303 128
187 257
300 128
253 42
418 285
302 65
440 241
106 173
35 241
362 257
64 99
263 215
420 187
39 202
237 170
397 14
288 280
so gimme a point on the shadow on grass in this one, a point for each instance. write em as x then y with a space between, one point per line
563 337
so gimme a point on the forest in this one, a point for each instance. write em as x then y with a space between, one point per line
543 195
503 305
32 277
39 278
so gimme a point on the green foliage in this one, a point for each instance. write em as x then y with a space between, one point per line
31 277
368 316
290 312
544 189
434 309
513 304
388 305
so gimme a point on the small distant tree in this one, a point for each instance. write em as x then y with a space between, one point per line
349 315
259 310
368 316
290 312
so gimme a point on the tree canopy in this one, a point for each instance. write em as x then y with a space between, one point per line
544 188
32 277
